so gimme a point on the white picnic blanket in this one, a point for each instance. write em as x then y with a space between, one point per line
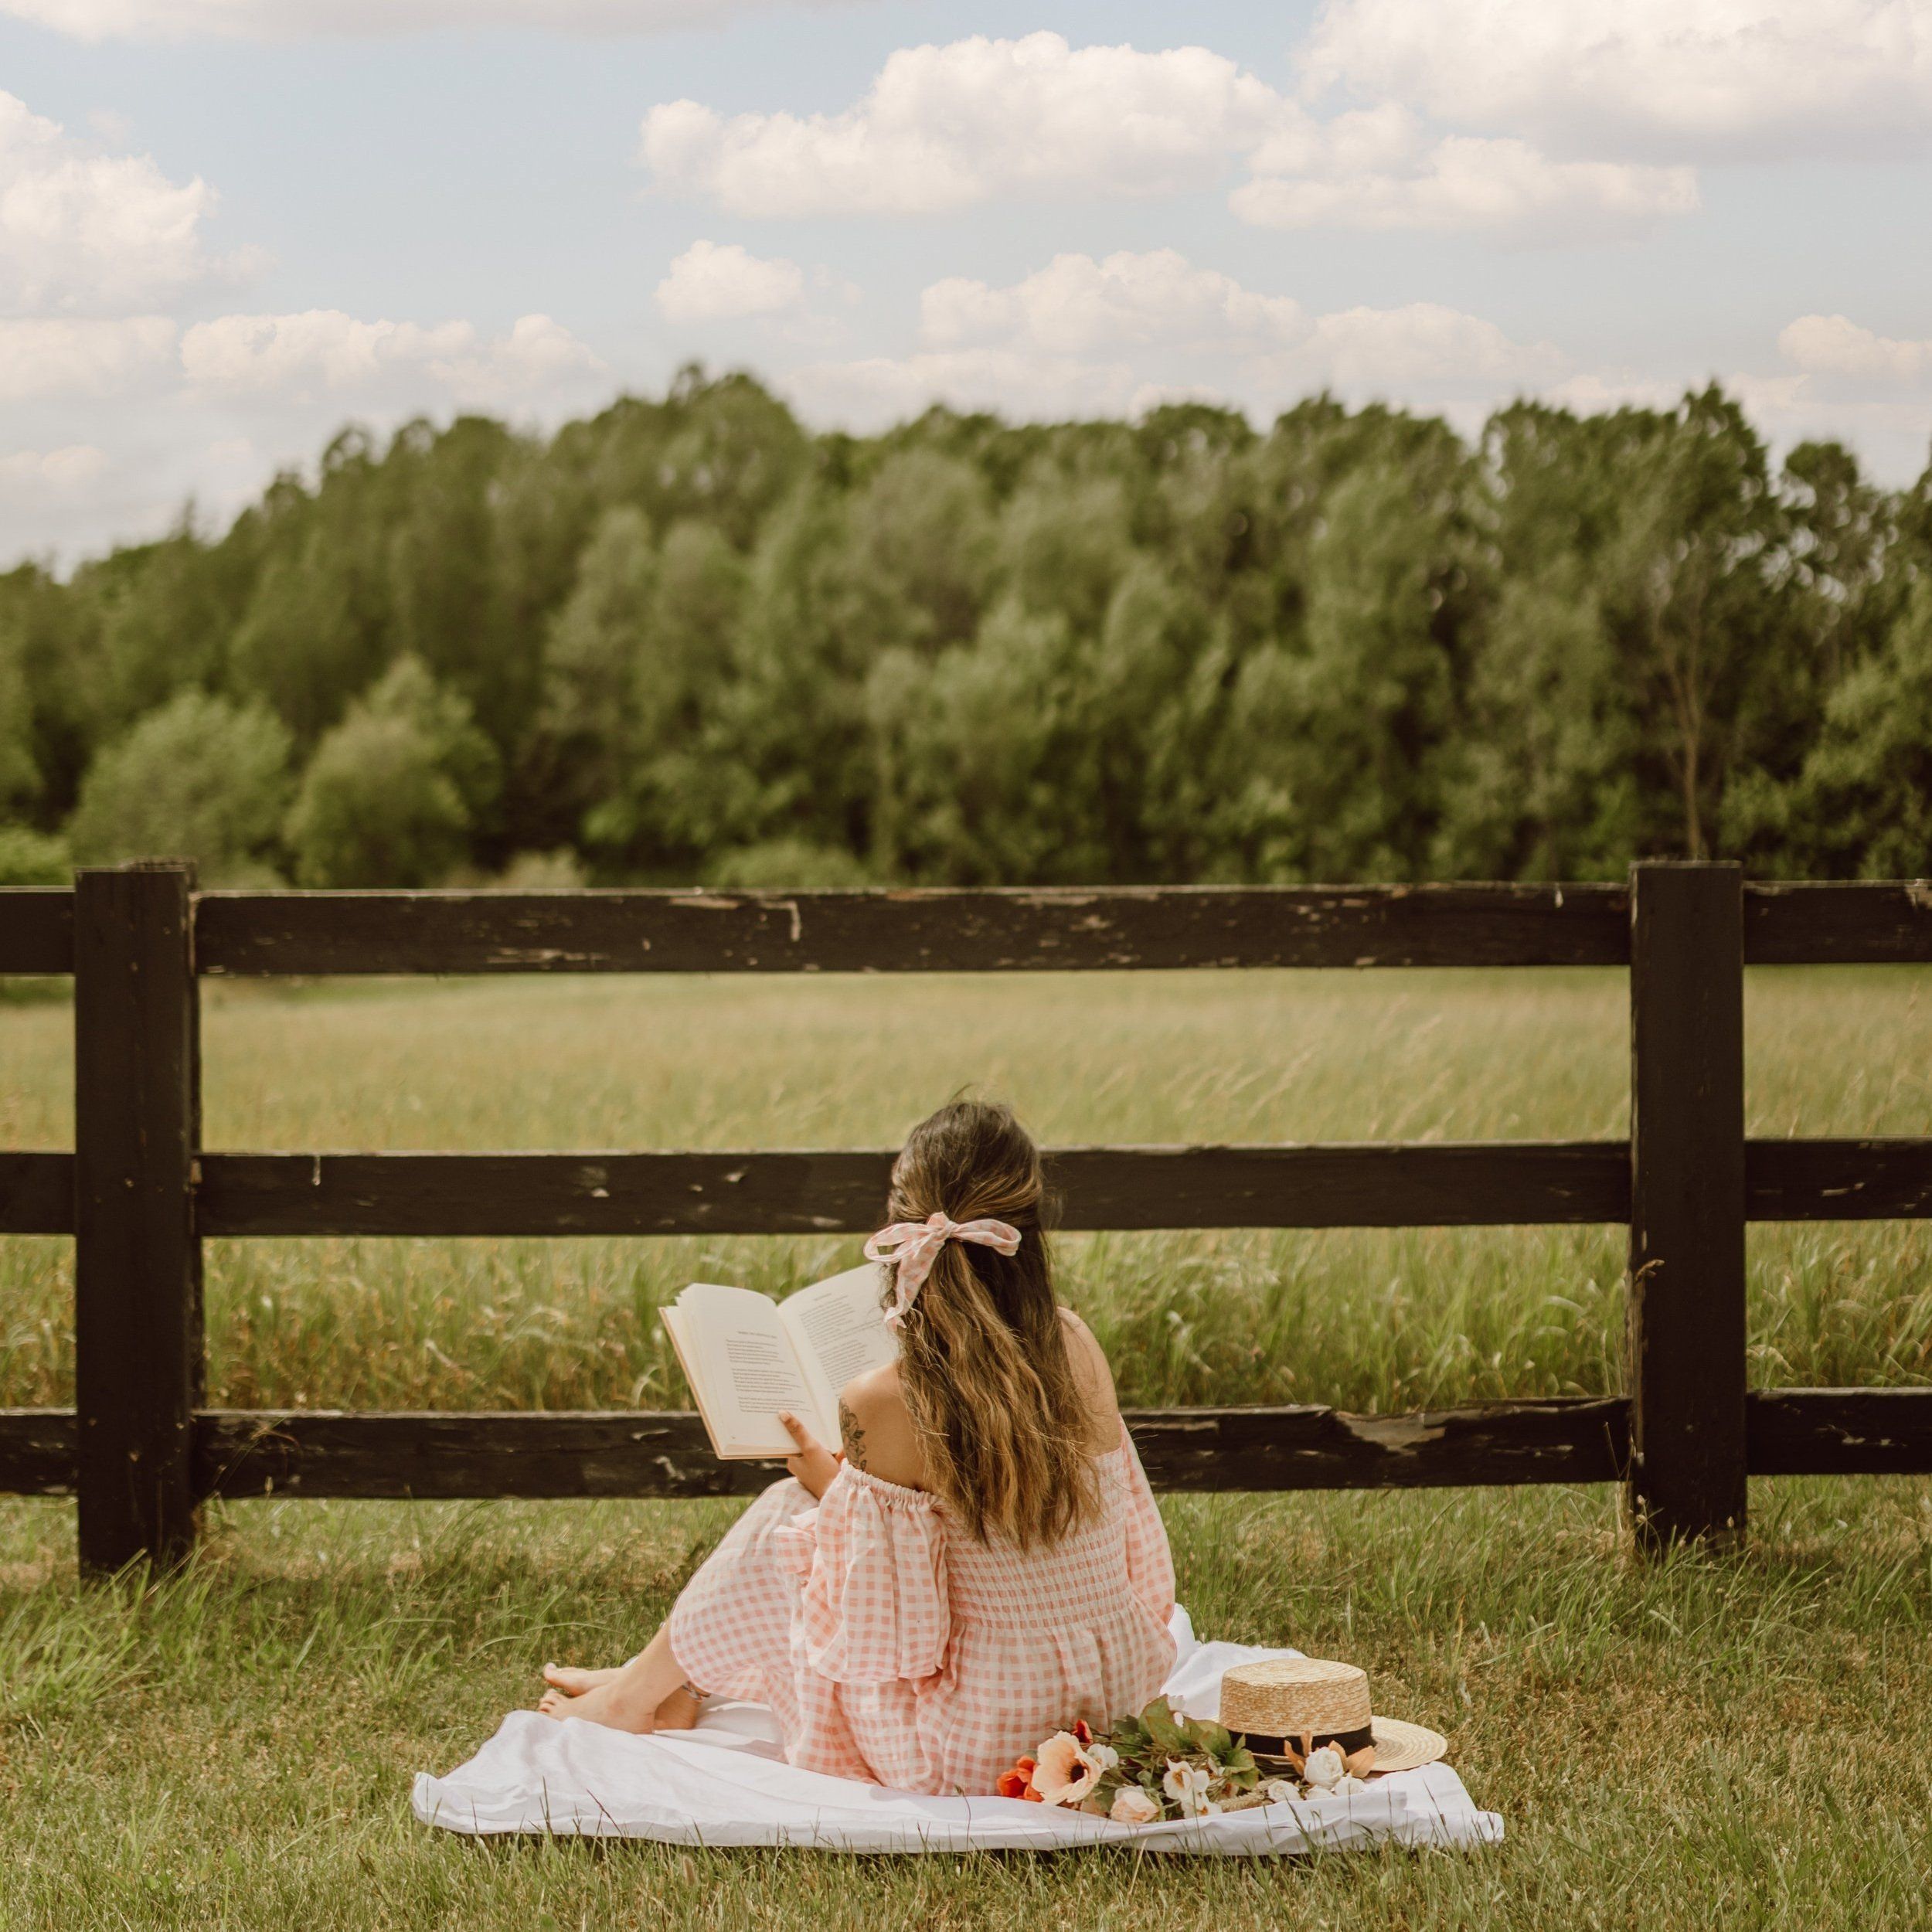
725 1784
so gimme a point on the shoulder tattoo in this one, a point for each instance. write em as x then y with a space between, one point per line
851 1435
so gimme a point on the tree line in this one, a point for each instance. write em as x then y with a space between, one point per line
688 640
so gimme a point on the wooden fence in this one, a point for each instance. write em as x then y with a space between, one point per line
140 1195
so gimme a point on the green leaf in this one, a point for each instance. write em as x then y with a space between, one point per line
1163 1727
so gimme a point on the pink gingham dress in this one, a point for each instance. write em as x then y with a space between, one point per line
892 1646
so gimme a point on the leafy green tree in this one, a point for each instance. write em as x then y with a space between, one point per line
318 625
1064 546
50 671
972 782
635 662
200 778
1862 807
394 792
1841 532
1154 721
167 610
1345 732
445 591
1687 589
783 756
921 537
19 772
590 722
696 641
1542 782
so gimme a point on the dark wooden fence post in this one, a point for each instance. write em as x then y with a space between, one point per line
137 1317
1686 1299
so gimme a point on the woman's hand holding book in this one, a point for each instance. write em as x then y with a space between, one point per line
815 1465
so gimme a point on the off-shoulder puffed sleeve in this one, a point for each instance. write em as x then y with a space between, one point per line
1150 1565
872 1562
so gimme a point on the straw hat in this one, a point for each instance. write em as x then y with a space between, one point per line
1275 1706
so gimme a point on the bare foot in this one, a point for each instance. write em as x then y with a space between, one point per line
567 1684
573 1683
615 1703
570 1687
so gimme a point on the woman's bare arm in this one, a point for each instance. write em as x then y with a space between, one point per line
1096 1379
876 1433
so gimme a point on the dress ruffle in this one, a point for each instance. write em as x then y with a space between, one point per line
871 1560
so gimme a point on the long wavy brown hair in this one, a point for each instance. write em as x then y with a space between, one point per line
1004 1425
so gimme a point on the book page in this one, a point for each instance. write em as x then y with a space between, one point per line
750 1370
839 1327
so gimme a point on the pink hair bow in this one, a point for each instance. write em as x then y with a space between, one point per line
918 1243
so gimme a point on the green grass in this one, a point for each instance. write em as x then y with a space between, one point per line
1701 1743
1691 1744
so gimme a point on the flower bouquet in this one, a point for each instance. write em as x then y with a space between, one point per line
1162 1765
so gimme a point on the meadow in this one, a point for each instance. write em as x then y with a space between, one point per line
1371 1320
1697 1742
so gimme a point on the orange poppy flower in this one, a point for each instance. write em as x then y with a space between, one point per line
1018 1782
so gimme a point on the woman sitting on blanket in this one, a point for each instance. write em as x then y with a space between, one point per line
981 1566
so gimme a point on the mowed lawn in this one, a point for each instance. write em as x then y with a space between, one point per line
1701 1743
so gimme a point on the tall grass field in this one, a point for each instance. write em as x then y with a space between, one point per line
1697 1743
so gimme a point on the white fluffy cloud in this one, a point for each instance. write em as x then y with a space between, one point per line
1843 381
1417 347
1834 345
945 128
871 393
1462 184
1159 299
83 231
1084 336
57 356
713 281
323 352
27 474
1670 80
1076 305
288 19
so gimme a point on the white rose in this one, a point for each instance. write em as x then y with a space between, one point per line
1282 1791
1325 1769
1132 1806
1103 1755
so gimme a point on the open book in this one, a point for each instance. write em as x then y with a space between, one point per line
746 1357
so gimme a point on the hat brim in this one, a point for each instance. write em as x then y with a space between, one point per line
1401 1747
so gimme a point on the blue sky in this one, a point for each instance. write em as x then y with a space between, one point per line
226 227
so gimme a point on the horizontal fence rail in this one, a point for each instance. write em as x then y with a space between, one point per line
36 930
1057 930
1477 1184
427 1455
141 1197
1121 1188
